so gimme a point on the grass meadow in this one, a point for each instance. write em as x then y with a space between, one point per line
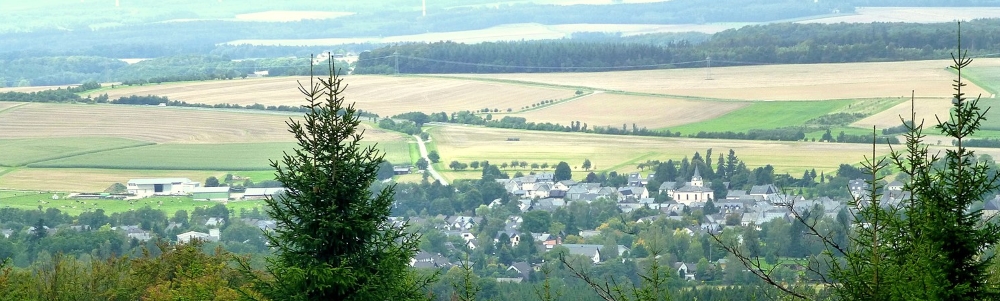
765 115
169 204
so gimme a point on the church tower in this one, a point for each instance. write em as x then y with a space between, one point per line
696 180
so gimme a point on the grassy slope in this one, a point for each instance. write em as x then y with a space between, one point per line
987 77
18 152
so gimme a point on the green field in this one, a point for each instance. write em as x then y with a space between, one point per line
17 152
766 115
986 77
31 200
221 157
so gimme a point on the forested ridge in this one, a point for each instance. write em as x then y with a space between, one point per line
781 43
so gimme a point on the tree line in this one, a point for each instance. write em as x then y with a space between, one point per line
779 43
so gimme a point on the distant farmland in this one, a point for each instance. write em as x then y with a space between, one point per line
384 95
607 109
770 82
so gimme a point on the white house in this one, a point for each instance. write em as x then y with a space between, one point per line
162 186
192 235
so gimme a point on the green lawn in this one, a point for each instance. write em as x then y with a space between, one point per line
221 157
18 152
30 200
765 115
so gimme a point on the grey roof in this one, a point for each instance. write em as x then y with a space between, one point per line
697 174
263 191
690 188
160 181
764 189
668 186
992 204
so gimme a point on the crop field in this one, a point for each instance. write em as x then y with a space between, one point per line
31 200
153 124
608 109
233 156
911 15
18 152
765 115
384 95
623 153
90 180
986 74
4 105
770 82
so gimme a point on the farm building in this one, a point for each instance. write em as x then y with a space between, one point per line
163 186
210 193
401 170
261 193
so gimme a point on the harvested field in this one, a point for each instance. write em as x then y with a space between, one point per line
153 124
89 180
7 104
911 15
623 153
771 82
236 156
384 95
606 109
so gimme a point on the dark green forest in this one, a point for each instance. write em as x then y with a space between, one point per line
780 43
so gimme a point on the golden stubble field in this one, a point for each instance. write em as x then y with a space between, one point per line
149 123
770 82
73 179
607 109
384 95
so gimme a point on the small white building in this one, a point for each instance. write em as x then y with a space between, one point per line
192 235
163 186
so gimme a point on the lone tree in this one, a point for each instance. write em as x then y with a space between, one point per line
563 172
332 241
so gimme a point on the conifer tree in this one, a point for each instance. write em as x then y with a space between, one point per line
332 240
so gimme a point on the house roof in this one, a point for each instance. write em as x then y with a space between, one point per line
160 181
668 186
209 189
763 189
991 205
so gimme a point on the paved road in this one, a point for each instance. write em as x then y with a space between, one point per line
430 166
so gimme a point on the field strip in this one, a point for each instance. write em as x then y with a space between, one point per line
546 106
3 109
646 156
88 152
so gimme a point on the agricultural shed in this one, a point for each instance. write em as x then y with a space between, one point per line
162 186
261 193
210 193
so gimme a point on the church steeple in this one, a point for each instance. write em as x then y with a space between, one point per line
696 179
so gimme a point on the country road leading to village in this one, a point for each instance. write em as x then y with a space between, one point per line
430 165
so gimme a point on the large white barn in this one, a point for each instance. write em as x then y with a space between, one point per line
163 186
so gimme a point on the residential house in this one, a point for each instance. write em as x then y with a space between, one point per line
427 260
540 190
991 208
635 179
549 204
462 222
685 270
592 251
766 192
522 268
513 236
564 185
557 194
668 188
192 235
859 188
214 222
400 170
162 186
736 194
894 186
632 193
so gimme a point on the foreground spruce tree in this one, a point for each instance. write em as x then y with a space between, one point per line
928 245
333 241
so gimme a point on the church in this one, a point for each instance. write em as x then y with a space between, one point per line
693 192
